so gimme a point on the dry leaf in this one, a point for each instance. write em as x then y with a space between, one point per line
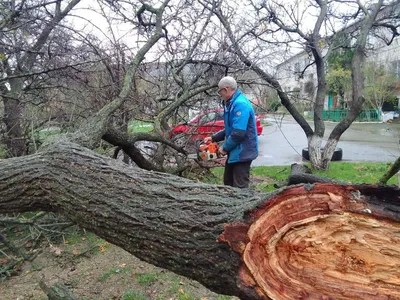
57 251
76 252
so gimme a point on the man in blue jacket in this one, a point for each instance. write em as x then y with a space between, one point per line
240 134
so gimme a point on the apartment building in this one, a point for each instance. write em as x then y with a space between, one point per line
297 75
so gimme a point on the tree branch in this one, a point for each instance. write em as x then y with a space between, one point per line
30 56
265 76
391 172
98 124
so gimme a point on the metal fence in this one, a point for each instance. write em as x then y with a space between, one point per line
337 115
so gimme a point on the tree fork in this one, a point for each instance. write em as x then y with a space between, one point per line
322 241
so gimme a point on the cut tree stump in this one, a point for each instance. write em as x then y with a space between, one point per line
322 242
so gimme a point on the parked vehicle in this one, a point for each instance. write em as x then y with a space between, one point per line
205 124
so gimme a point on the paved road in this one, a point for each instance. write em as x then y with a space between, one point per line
281 142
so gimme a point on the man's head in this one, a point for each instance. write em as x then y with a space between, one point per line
227 87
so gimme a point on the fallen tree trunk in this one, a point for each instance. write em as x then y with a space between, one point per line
302 174
322 241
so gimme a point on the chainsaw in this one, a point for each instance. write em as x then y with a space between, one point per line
206 152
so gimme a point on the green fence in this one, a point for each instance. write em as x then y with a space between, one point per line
337 115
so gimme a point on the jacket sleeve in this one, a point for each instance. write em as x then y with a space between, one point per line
240 118
218 136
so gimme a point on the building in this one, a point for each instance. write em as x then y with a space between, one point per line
297 75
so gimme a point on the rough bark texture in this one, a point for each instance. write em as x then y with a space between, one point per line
320 241
162 219
391 172
302 174
15 140
57 291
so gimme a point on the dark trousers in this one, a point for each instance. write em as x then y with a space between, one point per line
237 174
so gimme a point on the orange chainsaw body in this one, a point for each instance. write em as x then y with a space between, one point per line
208 151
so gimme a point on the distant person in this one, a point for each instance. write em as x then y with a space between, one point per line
240 134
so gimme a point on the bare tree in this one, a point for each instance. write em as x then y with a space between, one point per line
288 20
181 72
380 85
22 20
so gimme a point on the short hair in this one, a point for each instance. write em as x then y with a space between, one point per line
228 82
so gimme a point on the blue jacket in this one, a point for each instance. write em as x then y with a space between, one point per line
240 133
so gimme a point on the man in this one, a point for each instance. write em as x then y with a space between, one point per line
240 134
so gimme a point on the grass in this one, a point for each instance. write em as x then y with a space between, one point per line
48 132
77 236
113 271
357 173
132 295
366 172
176 289
146 278
93 242
3 151
139 126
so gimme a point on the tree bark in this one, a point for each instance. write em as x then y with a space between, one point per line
57 291
302 174
321 241
391 172
15 140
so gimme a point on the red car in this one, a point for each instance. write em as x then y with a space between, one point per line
205 124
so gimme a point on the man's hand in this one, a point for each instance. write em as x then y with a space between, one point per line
207 140
221 151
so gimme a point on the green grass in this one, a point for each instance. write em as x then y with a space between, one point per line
182 295
48 132
346 172
77 236
146 278
265 123
3 151
139 126
113 271
357 173
132 295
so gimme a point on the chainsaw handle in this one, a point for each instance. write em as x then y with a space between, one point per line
207 140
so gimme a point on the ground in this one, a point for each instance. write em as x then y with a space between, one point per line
95 269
